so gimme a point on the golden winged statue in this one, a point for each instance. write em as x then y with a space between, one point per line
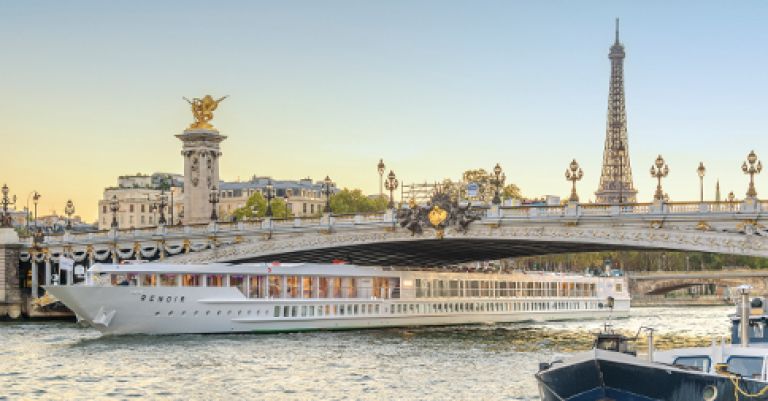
202 110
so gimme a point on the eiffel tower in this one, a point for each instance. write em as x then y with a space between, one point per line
616 176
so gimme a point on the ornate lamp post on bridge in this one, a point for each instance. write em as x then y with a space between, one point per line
269 196
574 173
213 199
327 191
69 210
391 185
5 221
35 199
163 202
497 180
752 169
114 207
659 170
701 171
380 168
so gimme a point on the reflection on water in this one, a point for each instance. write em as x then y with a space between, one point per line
58 360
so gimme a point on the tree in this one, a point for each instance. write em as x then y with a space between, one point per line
259 203
486 188
353 201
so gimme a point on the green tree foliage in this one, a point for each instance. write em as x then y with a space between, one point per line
259 203
486 191
353 201
642 261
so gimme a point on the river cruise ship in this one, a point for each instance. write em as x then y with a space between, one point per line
224 298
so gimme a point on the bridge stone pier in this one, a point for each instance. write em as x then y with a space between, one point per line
407 238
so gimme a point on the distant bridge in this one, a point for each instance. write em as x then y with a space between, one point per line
659 283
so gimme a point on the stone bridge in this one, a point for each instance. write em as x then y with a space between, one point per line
659 283
380 239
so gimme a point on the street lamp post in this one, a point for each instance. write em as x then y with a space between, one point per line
752 169
35 199
701 171
380 168
69 210
659 170
327 190
574 173
114 207
391 185
6 201
213 199
270 195
497 180
161 205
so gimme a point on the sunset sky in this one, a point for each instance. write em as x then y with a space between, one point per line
93 90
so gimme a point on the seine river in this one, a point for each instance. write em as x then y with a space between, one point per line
60 360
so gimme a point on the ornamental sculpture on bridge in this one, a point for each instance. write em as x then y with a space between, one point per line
202 111
440 212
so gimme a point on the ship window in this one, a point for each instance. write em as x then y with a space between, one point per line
618 287
274 286
327 310
286 311
303 311
378 308
218 313
257 285
292 286
307 284
746 366
697 362
294 311
310 311
214 280
148 280
237 280
168 280
190 280
277 311
323 288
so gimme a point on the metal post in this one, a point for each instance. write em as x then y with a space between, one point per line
745 307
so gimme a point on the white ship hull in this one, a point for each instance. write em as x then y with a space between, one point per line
123 309
118 310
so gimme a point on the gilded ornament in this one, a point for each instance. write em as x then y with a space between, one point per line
437 216
202 111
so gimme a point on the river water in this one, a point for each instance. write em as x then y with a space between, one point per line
60 360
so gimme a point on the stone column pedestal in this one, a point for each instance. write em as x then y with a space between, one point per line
10 293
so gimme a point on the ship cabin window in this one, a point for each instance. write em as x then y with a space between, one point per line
292 287
214 280
323 288
257 286
148 280
123 279
746 366
191 280
306 283
277 311
237 280
336 285
275 286
168 280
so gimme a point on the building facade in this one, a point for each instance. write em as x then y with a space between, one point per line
139 198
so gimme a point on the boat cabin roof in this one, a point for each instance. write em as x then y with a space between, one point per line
248 268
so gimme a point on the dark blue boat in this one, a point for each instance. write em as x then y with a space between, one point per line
613 372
